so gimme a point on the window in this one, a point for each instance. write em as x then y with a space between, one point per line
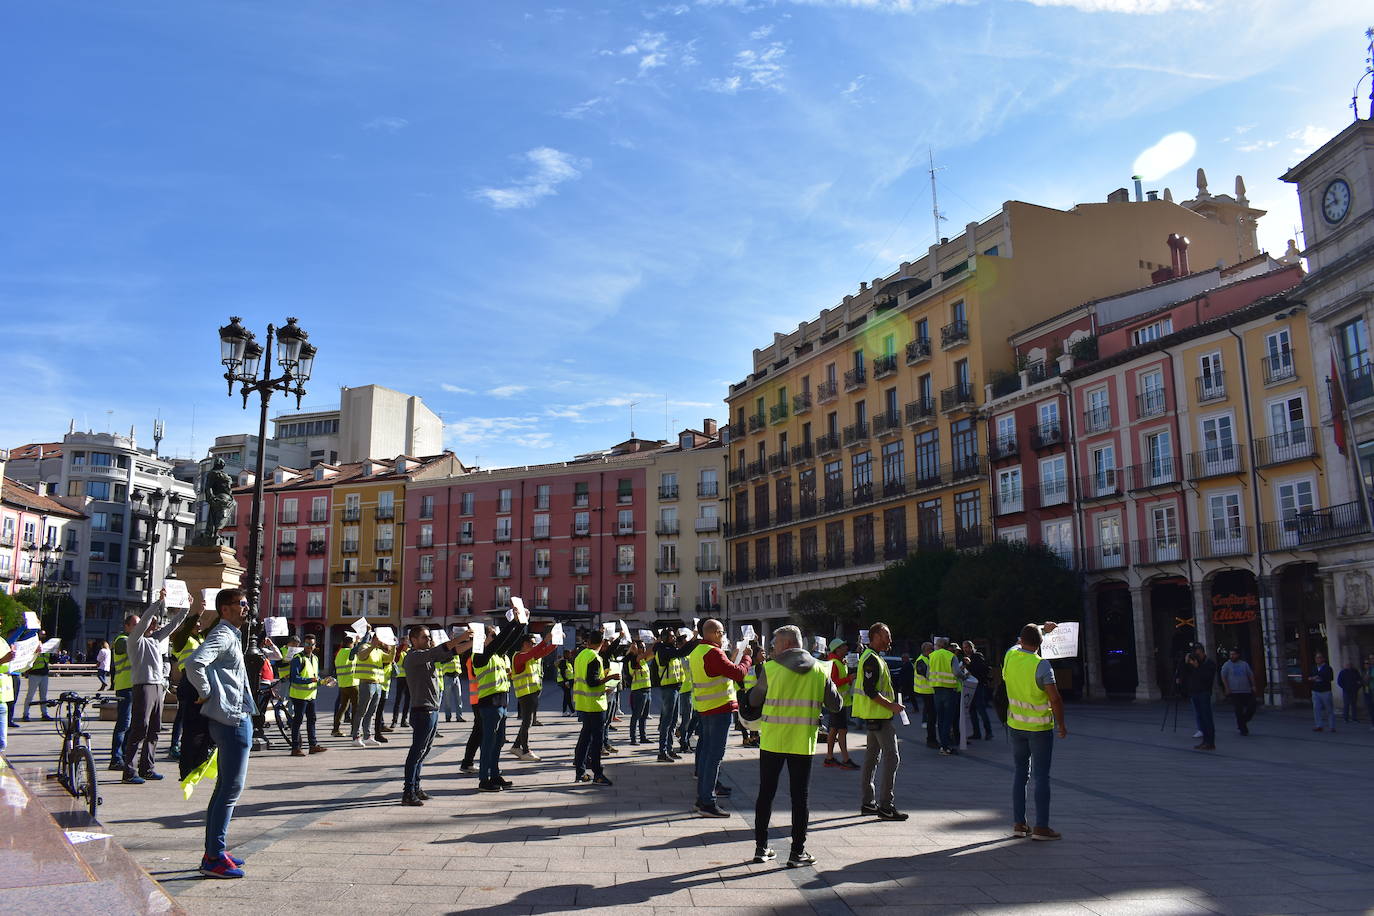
582 523
1278 356
707 483
1049 418
285 601
541 526
963 446
863 539
834 485
465 566
543 561
542 496
1006 432
1294 499
806 491
834 545
1009 490
928 458
1104 470
861 475
1013 535
288 539
667 520
625 558
1219 445
625 521
74 488
1223 515
465 503
624 490
961 375
427 506
102 460
117 522
98 489
1164 543
502 563
894 533
1159 450
581 597
1288 422
1152 331
314 604
503 596
427 568
1109 541
503 500
625 596
1058 537
503 529
424 603
1099 415
121 493
894 467
1054 481
78 458
581 494
100 521
319 508
582 560
1212 381
968 514
385 538
426 537
1151 402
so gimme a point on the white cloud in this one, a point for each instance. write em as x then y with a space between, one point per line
477 430
754 70
550 168
507 391
1134 7
1309 138
582 109
1257 146
387 125
454 389
761 32
728 86
1171 152
851 93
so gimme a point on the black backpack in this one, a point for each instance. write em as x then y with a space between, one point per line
1001 703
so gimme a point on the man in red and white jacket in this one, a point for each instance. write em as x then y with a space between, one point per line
527 671
713 697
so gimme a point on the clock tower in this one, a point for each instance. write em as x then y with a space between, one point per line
1336 194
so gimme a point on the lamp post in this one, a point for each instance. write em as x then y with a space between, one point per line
243 360
163 506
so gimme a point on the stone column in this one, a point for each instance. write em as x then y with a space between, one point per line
1202 615
1276 691
1145 688
1093 688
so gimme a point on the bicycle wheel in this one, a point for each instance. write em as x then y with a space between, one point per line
283 720
59 718
84 784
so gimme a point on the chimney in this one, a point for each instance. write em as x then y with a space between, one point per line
1178 251
1152 195
1138 195
1119 196
708 426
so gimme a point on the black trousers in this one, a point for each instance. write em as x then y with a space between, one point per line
401 705
1244 705
474 741
798 784
928 713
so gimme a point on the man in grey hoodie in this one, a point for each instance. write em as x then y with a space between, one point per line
146 648
791 690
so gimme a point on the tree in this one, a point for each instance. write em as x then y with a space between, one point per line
54 609
906 594
994 591
833 610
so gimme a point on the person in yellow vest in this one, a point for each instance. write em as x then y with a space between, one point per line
347 701
124 690
875 702
749 737
527 670
304 675
947 677
6 691
591 680
452 702
384 675
37 676
641 686
565 681
921 685
492 669
185 639
714 678
425 664
792 690
369 657
838 726
1034 710
401 704
669 651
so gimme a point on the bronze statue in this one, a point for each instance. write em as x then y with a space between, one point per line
219 496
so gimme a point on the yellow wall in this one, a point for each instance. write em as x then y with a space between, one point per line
367 553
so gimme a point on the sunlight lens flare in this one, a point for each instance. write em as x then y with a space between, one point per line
1171 152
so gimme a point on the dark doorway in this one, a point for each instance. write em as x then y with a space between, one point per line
1116 640
1302 611
1171 609
1235 610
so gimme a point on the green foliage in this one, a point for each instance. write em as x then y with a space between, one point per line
68 612
11 614
1084 349
995 591
907 594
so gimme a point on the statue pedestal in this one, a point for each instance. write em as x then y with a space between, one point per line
208 567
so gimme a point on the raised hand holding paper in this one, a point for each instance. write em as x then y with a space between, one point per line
359 626
746 632
207 598
863 637
646 636
1062 642
386 635
556 634
178 595
522 613
277 626
51 645
479 637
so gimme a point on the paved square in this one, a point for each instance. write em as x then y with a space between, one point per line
1274 823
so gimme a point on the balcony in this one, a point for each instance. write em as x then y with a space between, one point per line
1102 484
1009 500
624 567
779 461
318 518
737 527
827 391
954 334
966 466
1211 387
708 489
384 513
382 576
803 454
975 536
427 511
314 578
761 519
465 573
668 605
423 610
806 506
286 550
666 567
425 575
1160 550
895 549
1150 404
862 494
624 497
757 422
466 537
864 555
833 501
1046 435
6 575
1104 557
581 531
384 545
1160 472
1004 383
855 378
540 533
500 570
708 564
856 433
707 524
1097 419
540 570
1315 526
1290 445
314 611
349 547
580 567
956 397
1004 447
624 528
1359 382
887 423
757 468
801 403
1039 371
737 476
809 563
424 540
836 559
288 518
352 513
347 577
777 413
316 547
1279 368
894 487
917 351
667 491
1218 461
7 539
501 535
929 474
666 528
762 572
1222 541
625 607
732 432
884 365
827 442
919 411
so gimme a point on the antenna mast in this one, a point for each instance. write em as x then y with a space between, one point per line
633 405
934 200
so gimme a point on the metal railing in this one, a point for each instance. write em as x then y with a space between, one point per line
884 365
855 378
385 512
1315 526
917 350
666 528
956 396
1158 472
1210 387
708 490
708 524
1097 419
921 410
1279 367
540 533
1223 541
777 413
1216 462
827 391
1290 445
667 491
887 422
801 403
956 332
1004 447
1100 484
1046 435
1158 550
1150 403
856 433
286 549
708 564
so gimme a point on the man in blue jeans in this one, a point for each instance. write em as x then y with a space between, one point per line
124 691
1200 675
668 654
1035 711
424 676
492 669
713 697
217 672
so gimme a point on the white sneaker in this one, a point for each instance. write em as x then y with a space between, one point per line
1197 734
359 742
520 753
532 757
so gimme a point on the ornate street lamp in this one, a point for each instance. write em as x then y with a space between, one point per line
250 366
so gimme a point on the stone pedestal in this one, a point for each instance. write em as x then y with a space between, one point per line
208 567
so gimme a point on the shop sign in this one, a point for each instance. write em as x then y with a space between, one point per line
1237 609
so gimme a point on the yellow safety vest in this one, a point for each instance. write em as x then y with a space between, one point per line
942 670
343 668
918 680
6 685
641 679
371 666
1028 706
750 679
310 671
586 698
398 669
531 680
864 707
672 675
707 692
123 673
565 671
192 644
493 677
792 709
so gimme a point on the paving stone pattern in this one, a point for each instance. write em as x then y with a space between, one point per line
1273 823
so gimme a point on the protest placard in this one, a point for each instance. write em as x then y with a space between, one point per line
1062 642
178 595
386 635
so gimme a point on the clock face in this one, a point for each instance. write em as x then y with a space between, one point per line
1336 201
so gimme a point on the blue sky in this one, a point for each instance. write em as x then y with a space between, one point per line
533 215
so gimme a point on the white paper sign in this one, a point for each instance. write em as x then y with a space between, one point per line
646 635
684 632
207 598
518 611
359 627
178 595
479 637
863 637
277 626
556 634
608 630
906 720
746 632
292 652
24 652
31 621
851 659
386 635
625 630
1062 642
52 645
696 623
537 639
438 637
819 643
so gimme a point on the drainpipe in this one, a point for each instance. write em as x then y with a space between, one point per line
1078 534
448 552
1273 692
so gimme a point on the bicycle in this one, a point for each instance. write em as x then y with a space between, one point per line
75 762
278 712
